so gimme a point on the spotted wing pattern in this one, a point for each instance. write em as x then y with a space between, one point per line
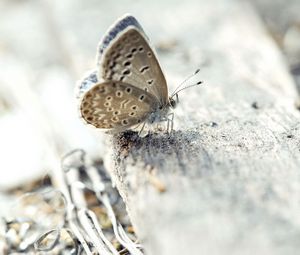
125 55
116 105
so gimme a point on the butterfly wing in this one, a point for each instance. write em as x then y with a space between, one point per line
116 105
125 55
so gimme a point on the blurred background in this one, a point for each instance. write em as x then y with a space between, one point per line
47 46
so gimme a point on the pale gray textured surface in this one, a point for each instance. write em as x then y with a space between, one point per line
231 187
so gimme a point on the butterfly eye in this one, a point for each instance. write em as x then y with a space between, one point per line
172 103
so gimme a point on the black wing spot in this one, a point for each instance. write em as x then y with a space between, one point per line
129 56
101 90
115 119
134 107
117 56
125 122
150 82
141 49
119 93
144 69
111 74
142 97
112 65
149 54
127 63
128 90
133 50
126 72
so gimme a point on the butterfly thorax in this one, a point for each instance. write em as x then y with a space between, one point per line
161 113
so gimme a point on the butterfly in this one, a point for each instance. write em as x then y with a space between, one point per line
128 88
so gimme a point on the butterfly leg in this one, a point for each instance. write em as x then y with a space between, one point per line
142 128
168 125
170 119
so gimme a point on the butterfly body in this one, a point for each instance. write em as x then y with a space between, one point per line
128 87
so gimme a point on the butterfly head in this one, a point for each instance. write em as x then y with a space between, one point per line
172 102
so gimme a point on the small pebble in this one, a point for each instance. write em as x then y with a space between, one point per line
213 124
254 105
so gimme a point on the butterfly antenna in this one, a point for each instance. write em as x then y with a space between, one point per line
186 87
185 80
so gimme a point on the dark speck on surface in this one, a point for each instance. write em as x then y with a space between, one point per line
213 124
254 105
